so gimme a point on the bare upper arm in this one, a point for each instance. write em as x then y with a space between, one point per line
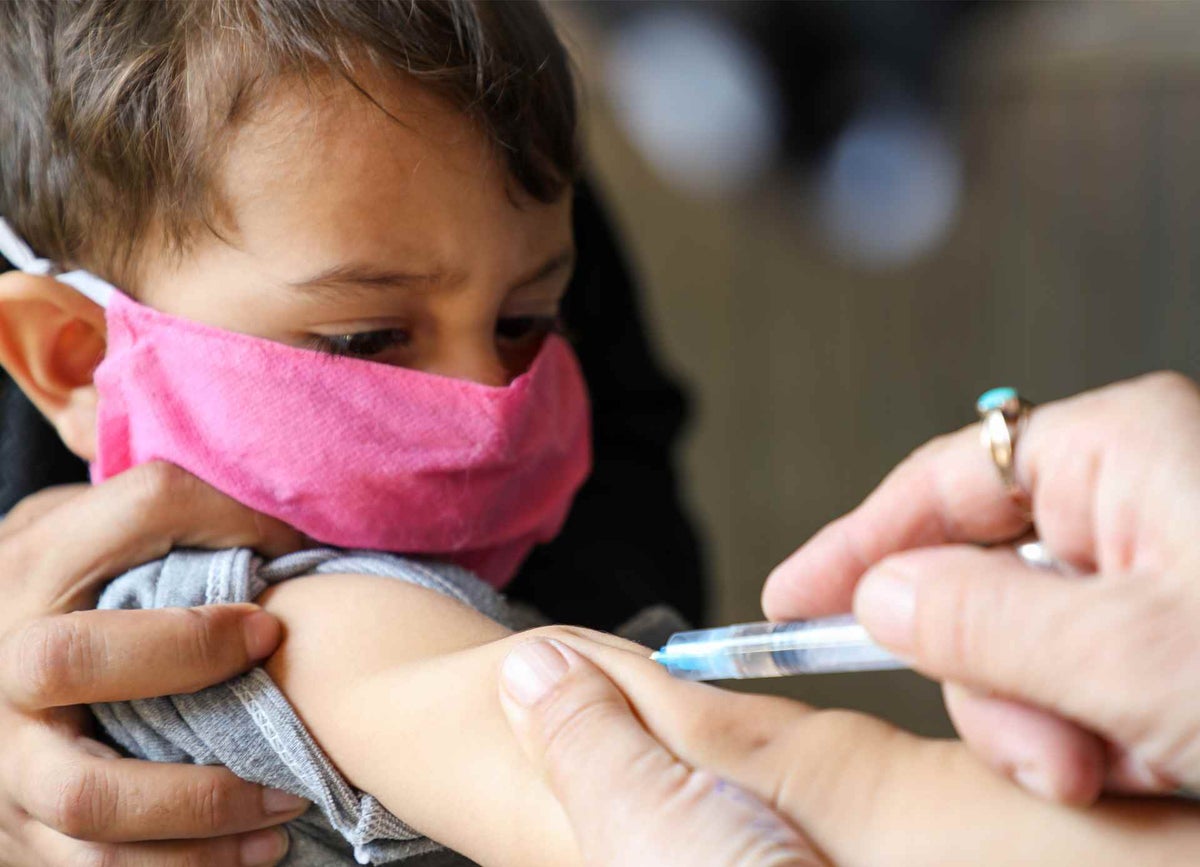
398 684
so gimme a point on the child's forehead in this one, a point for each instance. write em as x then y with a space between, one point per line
319 180
360 166
329 136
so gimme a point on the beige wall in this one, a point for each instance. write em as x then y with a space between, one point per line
1072 264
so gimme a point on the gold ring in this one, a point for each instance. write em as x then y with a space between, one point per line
1003 415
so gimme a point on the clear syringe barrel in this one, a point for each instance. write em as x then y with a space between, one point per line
749 650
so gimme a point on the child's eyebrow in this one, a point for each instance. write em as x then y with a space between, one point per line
561 261
356 274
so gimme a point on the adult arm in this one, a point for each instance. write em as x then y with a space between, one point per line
65 799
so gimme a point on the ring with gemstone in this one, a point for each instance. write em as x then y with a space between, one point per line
1003 415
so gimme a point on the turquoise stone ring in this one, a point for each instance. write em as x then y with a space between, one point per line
1003 414
996 398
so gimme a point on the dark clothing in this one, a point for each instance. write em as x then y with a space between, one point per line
627 543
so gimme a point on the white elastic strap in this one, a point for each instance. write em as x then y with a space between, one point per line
19 253
15 250
87 283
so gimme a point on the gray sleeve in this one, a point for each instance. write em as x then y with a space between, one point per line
247 724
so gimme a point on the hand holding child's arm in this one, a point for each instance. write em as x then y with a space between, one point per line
65 799
632 802
866 793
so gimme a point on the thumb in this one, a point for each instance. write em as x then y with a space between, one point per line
631 802
1104 652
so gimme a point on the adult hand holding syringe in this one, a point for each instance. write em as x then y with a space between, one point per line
824 645
1068 685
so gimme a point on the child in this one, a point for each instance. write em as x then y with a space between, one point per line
347 230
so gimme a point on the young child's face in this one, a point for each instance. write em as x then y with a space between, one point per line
406 242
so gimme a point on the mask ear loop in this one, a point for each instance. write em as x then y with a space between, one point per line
21 255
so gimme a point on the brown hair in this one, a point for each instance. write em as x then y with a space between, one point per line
113 111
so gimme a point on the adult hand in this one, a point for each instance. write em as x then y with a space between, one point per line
619 739
66 799
669 814
1111 659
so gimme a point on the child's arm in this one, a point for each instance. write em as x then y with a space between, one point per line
400 686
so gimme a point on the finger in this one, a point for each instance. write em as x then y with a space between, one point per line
1067 645
946 491
34 506
96 656
257 849
574 724
77 793
1042 753
130 519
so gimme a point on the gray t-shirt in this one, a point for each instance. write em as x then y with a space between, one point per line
247 724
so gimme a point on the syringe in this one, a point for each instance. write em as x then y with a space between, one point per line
745 650
823 645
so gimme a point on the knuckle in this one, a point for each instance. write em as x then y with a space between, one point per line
26 509
197 633
948 626
1169 382
50 656
215 805
570 727
79 803
670 785
929 452
156 484
21 550
1164 394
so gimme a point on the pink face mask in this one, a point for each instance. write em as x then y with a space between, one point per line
350 452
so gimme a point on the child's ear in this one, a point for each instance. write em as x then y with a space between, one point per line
51 339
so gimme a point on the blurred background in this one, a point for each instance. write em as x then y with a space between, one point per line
852 218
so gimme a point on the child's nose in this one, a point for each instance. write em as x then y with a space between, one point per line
482 365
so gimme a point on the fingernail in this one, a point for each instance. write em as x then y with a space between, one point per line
1033 779
532 670
886 604
262 633
263 848
277 801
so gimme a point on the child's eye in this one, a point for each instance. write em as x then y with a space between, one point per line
363 344
523 327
